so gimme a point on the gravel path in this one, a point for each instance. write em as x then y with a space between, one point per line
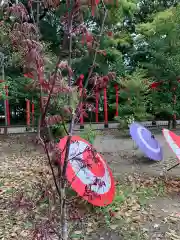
125 159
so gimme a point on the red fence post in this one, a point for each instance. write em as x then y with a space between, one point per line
7 106
117 99
32 106
27 112
105 109
97 106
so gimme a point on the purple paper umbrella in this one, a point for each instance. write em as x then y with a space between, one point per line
146 141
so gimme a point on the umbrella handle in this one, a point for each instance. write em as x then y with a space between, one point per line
135 145
173 167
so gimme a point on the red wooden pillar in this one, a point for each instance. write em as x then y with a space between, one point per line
105 109
7 106
28 112
32 111
81 103
97 106
117 99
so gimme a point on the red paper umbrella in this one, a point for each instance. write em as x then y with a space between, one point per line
87 172
173 141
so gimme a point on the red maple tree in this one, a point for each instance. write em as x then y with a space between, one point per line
25 39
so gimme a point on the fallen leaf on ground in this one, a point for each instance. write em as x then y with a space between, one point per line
113 226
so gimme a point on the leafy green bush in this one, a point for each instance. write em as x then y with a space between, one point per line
89 134
58 131
124 121
133 104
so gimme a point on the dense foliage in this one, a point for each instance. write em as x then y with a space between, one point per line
140 44
73 50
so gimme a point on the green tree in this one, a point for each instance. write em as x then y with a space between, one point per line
133 94
161 37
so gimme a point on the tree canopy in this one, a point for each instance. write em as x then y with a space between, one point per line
140 44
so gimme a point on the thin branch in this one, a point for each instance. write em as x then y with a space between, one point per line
64 126
52 170
63 192
97 47
37 17
51 91
66 159
70 21
95 56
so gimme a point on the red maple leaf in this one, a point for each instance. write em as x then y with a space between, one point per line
110 34
29 75
80 80
154 85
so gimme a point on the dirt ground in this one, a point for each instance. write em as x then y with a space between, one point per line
21 160
125 158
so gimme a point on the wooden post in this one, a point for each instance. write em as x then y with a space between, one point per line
97 106
117 98
27 113
32 111
105 109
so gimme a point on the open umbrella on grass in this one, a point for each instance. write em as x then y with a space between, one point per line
173 141
146 142
87 172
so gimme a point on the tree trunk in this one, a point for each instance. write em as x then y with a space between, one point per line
169 124
39 127
65 46
64 224
174 123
